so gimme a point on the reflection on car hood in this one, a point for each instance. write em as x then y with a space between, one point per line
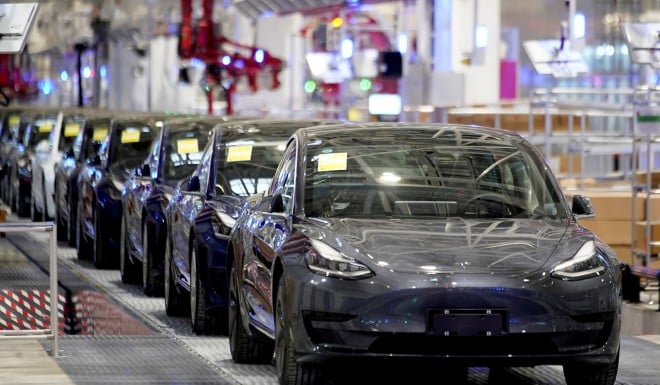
508 246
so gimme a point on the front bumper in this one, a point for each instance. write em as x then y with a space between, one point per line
550 322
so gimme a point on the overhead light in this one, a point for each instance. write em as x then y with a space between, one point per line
481 36
346 48
579 26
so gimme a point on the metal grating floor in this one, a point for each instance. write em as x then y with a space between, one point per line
132 360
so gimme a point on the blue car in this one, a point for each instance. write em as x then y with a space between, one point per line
239 161
174 156
86 146
101 183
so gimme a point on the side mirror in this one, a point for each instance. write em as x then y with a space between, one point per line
582 207
193 183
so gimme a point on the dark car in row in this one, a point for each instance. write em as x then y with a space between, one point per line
174 155
439 244
239 161
101 182
85 147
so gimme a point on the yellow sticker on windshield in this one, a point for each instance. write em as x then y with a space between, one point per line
239 153
100 133
14 120
71 129
45 127
335 161
187 146
130 135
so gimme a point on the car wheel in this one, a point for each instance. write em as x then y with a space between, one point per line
152 286
44 213
127 269
290 372
591 374
101 260
174 302
62 227
72 224
22 203
35 214
245 348
82 243
198 314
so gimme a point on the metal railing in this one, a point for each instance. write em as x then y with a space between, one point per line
52 332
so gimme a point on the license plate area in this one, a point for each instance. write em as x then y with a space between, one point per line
467 322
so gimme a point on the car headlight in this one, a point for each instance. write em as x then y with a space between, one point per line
324 260
584 264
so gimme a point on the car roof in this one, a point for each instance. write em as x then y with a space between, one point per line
349 128
283 123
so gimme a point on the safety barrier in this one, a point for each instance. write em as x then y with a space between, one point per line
46 333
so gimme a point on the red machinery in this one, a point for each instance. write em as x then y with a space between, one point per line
13 84
224 58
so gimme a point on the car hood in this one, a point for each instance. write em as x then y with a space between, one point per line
454 245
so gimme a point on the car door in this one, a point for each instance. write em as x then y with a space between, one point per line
192 199
271 227
138 189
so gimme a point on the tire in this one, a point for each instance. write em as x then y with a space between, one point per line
175 302
153 286
127 269
83 245
22 206
62 228
101 257
199 316
73 224
589 374
35 214
290 372
245 348
44 213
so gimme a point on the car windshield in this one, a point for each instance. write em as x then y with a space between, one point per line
132 142
451 173
70 129
247 167
184 150
41 129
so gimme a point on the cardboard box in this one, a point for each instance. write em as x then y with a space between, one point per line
612 232
614 205
516 121
565 165
574 183
640 178
640 236
654 201
623 253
